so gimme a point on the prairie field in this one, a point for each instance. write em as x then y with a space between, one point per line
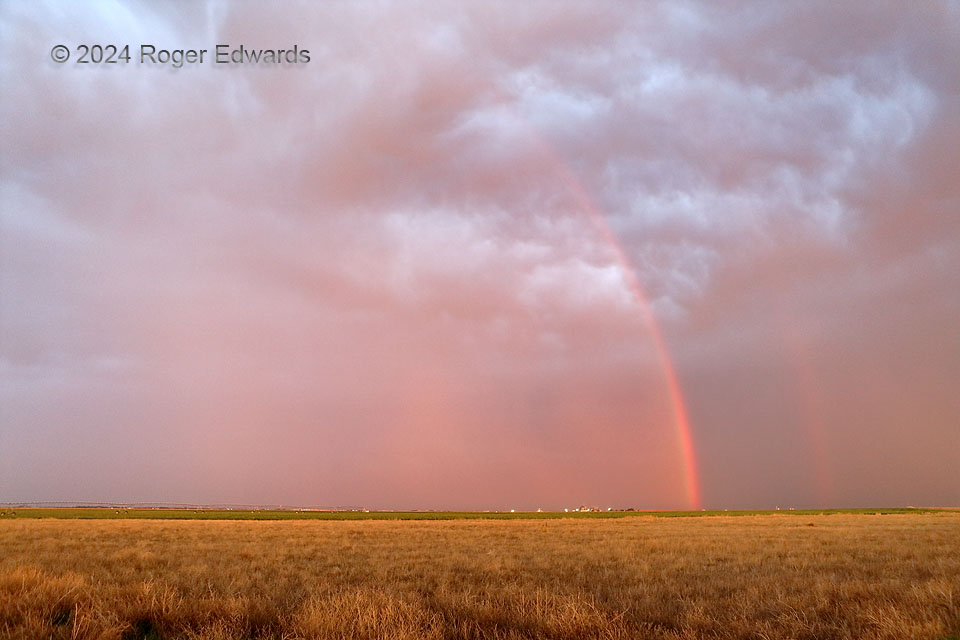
754 576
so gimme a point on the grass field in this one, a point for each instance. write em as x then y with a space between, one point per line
786 575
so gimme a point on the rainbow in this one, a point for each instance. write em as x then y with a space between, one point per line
681 422
810 397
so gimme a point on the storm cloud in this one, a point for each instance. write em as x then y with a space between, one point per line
431 267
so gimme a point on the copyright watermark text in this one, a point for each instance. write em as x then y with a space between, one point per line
153 55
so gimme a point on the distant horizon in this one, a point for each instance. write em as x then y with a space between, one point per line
293 507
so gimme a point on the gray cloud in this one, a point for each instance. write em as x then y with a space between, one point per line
403 275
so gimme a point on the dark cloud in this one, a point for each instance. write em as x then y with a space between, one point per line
407 273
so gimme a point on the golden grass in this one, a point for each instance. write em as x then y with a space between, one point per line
764 577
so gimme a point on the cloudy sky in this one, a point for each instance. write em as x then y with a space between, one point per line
483 255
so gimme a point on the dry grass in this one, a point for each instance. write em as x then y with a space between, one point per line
837 576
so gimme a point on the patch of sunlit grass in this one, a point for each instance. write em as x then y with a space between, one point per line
775 576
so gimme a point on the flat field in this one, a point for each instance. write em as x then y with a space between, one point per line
794 575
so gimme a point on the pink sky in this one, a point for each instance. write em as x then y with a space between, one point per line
459 259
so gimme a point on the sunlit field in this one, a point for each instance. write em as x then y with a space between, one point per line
753 576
